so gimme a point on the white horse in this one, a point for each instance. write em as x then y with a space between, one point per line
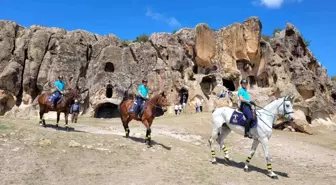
261 133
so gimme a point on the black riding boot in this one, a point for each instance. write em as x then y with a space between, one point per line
247 129
54 104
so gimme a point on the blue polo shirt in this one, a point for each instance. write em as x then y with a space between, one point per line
143 90
243 92
60 85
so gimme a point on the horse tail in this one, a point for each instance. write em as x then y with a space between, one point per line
125 97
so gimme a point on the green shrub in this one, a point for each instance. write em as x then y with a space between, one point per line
142 38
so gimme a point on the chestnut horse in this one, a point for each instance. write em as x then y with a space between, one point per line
157 103
63 106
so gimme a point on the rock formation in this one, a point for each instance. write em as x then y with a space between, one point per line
201 60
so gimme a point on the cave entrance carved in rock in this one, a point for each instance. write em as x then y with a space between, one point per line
107 110
109 91
109 67
252 81
184 94
243 65
208 84
229 84
262 80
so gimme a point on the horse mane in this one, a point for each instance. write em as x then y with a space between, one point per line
155 97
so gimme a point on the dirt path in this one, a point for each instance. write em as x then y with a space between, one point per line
97 153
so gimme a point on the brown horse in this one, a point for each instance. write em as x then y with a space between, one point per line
63 106
157 103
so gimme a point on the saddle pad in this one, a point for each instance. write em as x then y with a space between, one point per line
238 118
133 109
52 98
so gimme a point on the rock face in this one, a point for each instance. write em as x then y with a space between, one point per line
201 60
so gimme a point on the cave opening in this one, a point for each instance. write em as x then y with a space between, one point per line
109 91
208 83
252 81
195 69
106 110
109 67
229 84
262 80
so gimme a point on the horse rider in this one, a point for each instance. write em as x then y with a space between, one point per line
244 103
142 94
60 85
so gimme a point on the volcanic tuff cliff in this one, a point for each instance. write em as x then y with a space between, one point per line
32 58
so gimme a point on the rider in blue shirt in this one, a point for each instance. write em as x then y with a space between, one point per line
244 103
142 94
60 85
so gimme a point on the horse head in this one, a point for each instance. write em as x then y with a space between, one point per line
163 101
286 107
74 93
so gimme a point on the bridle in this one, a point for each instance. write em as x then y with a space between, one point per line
272 114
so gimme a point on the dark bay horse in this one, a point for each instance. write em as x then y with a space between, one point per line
63 106
158 102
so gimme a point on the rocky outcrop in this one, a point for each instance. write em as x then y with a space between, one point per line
203 61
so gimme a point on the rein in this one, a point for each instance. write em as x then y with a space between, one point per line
156 106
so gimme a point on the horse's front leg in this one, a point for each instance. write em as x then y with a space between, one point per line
264 143
58 118
148 132
252 152
66 115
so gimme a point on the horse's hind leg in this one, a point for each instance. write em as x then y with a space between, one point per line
253 150
42 121
225 132
125 122
213 137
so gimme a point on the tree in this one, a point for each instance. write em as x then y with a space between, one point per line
333 78
124 43
174 31
266 37
142 38
307 42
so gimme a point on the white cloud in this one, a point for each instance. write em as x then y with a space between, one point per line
274 3
171 21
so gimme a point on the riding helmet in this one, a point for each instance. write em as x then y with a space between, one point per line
243 81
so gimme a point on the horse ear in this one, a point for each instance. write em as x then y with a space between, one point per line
292 98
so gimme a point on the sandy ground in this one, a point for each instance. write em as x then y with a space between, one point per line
97 153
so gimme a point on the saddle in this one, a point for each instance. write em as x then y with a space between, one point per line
254 113
238 118
135 108
52 98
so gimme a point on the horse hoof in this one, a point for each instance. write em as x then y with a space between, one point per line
246 170
274 177
214 162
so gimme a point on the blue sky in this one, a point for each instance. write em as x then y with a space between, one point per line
130 18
